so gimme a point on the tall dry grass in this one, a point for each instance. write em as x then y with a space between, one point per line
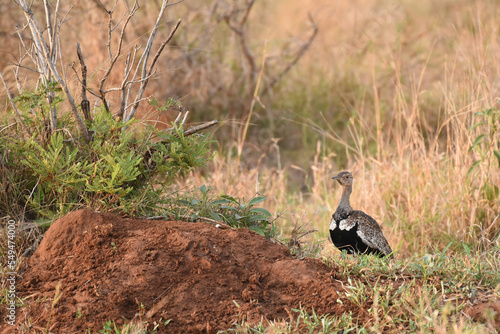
388 90
394 87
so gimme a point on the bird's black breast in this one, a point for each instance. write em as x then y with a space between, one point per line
349 240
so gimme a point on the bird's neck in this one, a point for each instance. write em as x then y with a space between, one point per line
344 208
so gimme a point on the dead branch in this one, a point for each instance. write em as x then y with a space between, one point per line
181 117
14 105
239 29
130 61
48 67
84 104
143 61
198 128
298 55
160 49
144 81
114 58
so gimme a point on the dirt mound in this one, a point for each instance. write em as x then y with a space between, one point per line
201 277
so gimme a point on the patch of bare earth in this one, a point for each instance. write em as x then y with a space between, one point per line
201 277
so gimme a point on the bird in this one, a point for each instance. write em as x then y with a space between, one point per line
353 230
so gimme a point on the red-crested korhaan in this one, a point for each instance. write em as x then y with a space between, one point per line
354 231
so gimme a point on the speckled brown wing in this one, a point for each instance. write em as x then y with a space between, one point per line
369 231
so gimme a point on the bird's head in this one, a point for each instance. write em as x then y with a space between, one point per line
344 178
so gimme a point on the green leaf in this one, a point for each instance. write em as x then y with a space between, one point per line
258 229
443 253
479 113
477 141
230 208
231 199
476 125
466 248
471 169
497 155
216 216
257 218
153 101
256 200
490 191
204 189
185 202
238 217
220 201
262 211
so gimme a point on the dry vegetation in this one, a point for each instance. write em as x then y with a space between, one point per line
388 89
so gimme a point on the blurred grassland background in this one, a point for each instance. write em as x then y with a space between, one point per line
398 92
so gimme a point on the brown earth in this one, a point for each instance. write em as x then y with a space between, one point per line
201 277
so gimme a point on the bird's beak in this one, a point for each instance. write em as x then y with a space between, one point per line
335 177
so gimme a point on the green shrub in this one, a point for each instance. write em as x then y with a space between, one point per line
228 210
120 169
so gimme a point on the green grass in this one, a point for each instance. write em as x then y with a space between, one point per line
426 294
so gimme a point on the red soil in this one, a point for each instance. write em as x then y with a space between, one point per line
201 277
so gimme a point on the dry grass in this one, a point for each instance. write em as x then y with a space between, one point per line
388 90
393 87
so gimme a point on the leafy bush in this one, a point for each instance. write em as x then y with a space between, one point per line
228 210
118 170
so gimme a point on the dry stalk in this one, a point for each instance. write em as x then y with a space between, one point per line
113 58
44 56
143 61
84 104
303 49
14 105
238 27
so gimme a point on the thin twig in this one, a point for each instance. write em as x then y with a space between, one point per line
200 127
47 67
14 105
298 55
145 57
126 91
85 104
239 30
114 58
190 219
165 42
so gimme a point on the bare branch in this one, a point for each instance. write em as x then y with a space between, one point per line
198 128
165 42
299 54
14 105
117 89
145 56
49 28
239 30
114 58
84 104
128 69
16 73
21 39
44 56
81 82
39 43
